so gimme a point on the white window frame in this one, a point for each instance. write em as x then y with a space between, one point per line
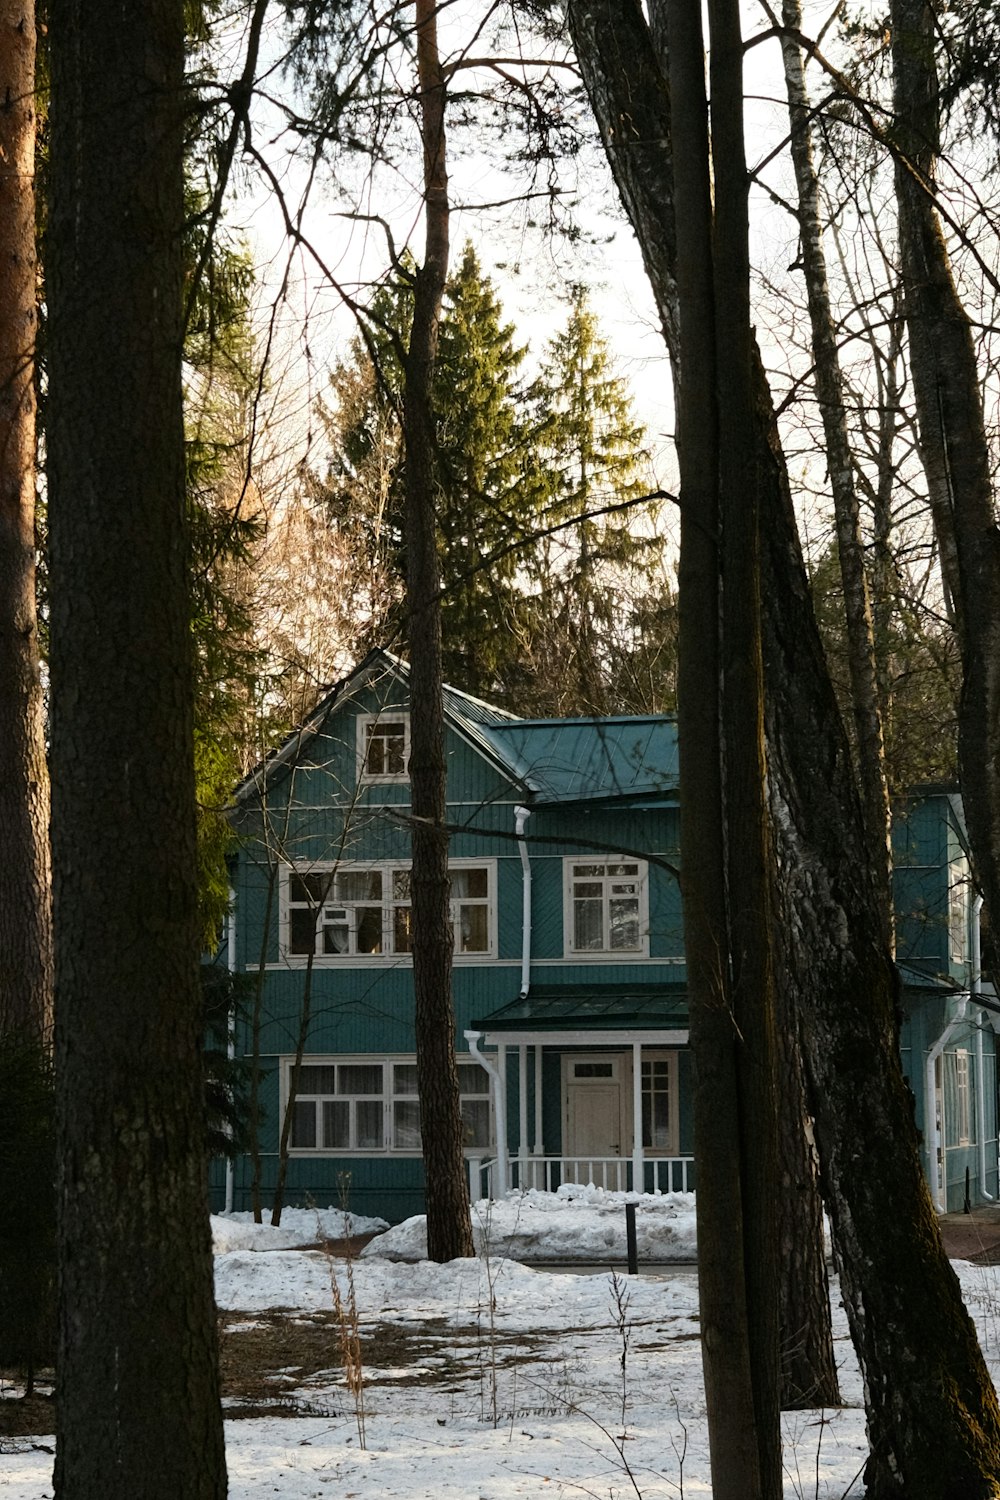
389 1097
963 1097
959 910
578 863
366 725
669 1056
335 906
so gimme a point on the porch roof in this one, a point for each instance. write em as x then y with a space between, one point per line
590 1007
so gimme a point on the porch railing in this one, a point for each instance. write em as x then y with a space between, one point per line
660 1174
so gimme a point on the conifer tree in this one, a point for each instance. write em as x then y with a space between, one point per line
596 450
493 483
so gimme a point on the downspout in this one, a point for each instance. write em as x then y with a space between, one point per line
499 1105
231 1033
976 985
939 1171
521 816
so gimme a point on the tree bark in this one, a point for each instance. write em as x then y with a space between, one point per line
25 897
138 1410
933 1421
449 1227
745 768
729 1391
952 437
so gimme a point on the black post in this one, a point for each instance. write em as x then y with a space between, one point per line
633 1252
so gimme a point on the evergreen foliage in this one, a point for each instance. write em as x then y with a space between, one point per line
524 585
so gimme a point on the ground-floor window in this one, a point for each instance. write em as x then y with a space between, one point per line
371 1105
660 1114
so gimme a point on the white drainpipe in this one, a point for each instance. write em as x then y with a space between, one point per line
521 816
976 985
231 1032
938 1172
499 1106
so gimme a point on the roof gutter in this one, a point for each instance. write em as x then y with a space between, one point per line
976 985
499 1105
521 816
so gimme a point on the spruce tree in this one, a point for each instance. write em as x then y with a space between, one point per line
601 568
493 489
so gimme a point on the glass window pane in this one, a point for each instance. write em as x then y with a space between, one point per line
337 1124
404 1078
623 869
315 1078
402 930
406 1125
369 929
304 1124
336 933
369 1119
311 889
476 1122
360 1078
401 885
359 885
473 929
588 870
587 925
472 1079
625 924
469 882
301 929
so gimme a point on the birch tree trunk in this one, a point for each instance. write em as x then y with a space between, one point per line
138 1411
449 1228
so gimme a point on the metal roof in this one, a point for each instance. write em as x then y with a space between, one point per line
579 1007
572 760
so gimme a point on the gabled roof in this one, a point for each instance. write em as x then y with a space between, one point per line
551 760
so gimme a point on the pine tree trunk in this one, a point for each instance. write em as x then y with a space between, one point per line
138 1410
449 1228
953 443
25 906
723 1306
746 812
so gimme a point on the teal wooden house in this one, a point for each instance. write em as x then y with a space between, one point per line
569 979
950 1018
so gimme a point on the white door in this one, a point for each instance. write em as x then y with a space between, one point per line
592 1117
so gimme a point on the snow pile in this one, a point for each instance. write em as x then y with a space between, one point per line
299 1226
575 1225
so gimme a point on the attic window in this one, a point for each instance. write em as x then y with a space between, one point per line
384 746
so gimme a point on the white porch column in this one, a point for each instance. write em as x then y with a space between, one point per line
538 1146
522 1101
637 1156
503 1166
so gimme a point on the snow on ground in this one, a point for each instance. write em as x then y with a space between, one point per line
512 1381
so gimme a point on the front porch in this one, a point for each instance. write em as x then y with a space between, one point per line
588 1085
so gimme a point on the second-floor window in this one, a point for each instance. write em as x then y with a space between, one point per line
349 911
383 746
606 907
